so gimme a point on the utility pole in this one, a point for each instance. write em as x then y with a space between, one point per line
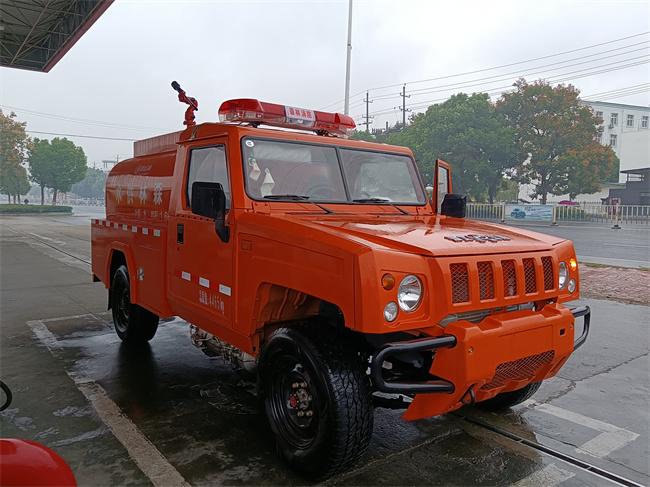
403 107
347 67
367 116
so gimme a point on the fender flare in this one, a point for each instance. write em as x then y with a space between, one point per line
130 265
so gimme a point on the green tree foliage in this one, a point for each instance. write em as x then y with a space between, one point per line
468 133
14 147
57 165
92 185
363 135
556 139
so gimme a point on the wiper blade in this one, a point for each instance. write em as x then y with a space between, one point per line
372 200
380 201
296 197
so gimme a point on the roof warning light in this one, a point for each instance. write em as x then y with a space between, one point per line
255 112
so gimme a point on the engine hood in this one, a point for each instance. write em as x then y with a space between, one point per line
430 235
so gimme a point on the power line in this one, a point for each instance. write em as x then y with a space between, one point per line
82 136
504 65
557 79
84 121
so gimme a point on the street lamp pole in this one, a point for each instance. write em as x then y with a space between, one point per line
347 68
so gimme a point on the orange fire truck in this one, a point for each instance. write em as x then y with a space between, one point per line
320 264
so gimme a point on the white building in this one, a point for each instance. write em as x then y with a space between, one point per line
627 129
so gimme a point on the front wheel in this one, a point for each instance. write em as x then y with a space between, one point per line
317 399
133 323
512 398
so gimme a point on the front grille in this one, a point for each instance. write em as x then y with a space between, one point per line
509 278
459 283
529 274
486 280
522 369
549 279
520 277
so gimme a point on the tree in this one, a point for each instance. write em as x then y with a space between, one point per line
57 165
467 132
363 135
92 185
556 136
14 147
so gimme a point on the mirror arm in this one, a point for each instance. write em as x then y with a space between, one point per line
220 227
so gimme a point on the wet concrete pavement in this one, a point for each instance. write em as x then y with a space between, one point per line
166 414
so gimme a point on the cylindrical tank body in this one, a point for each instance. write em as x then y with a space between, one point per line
139 188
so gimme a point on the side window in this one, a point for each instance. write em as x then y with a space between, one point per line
208 164
443 185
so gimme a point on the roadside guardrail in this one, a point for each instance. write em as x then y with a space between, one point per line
555 214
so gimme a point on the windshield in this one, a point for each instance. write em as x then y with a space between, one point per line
292 171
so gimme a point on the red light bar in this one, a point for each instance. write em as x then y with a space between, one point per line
257 112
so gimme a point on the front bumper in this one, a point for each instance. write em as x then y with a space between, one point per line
478 361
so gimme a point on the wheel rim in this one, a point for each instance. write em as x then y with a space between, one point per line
123 305
293 403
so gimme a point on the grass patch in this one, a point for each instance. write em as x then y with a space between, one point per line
33 209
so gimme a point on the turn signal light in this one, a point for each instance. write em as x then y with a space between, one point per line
573 264
388 282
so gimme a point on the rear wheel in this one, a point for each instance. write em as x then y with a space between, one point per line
317 399
512 398
133 323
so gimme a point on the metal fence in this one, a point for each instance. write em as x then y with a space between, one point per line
615 214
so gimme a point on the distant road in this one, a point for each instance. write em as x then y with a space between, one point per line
600 244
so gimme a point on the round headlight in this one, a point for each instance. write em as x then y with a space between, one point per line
564 276
409 293
572 285
390 311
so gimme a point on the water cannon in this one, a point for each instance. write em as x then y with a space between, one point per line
192 102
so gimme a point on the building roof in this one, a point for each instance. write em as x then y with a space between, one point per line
35 35
643 170
615 105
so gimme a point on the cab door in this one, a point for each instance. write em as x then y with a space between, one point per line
200 263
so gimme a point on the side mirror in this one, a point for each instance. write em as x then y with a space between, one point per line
209 200
454 205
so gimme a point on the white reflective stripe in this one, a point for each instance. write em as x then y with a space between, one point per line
224 290
145 231
186 275
550 475
156 233
204 282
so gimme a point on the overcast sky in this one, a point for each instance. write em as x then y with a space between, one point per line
115 82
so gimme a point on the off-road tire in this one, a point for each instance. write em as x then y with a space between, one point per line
133 323
333 376
512 398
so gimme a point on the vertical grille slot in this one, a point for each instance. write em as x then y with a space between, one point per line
459 283
530 277
486 280
509 278
549 278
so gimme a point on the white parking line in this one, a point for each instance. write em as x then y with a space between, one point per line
610 439
548 476
153 464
